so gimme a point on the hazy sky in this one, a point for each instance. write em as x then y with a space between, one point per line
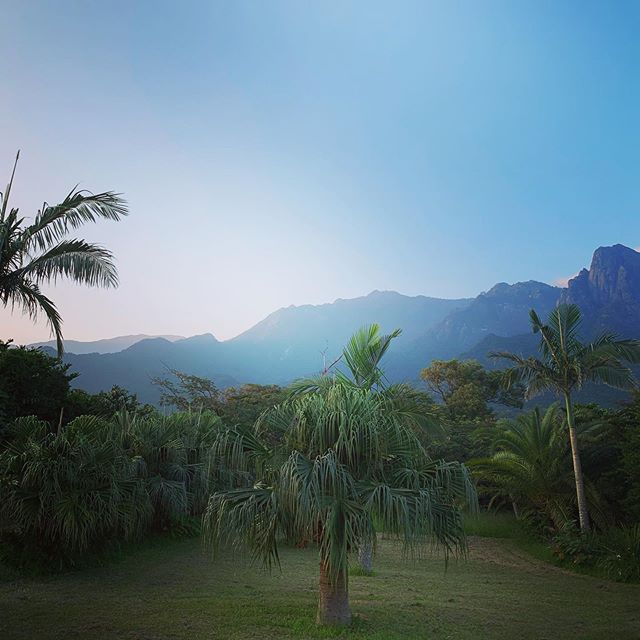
278 153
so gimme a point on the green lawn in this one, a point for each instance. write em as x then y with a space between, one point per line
173 590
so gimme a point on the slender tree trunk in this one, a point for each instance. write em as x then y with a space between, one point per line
583 511
333 606
365 557
516 511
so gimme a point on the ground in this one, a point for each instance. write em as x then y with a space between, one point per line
173 590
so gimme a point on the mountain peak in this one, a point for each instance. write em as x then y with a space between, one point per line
608 293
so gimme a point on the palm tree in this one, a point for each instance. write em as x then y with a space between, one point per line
342 460
363 356
41 252
565 365
532 466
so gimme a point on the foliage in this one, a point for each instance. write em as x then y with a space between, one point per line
99 482
566 364
626 474
242 406
171 457
621 554
32 383
66 493
104 404
575 547
467 389
188 392
532 469
41 252
347 460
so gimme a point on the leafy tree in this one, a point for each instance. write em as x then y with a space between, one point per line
243 405
32 383
343 459
104 404
565 365
40 252
187 392
466 388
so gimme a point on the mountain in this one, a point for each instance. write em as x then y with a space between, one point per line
289 343
608 293
108 345
501 311
295 341
134 367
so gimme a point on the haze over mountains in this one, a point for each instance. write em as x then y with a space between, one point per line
296 341
107 345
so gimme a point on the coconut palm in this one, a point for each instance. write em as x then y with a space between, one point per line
565 365
40 252
342 460
532 466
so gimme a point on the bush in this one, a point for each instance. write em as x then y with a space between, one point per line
620 559
572 546
96 483
65 494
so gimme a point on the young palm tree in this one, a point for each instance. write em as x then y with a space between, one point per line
363 356
342 460
565 365
41 252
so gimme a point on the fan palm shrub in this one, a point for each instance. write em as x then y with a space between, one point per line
171 456
36 253
342 459
565 365
66 494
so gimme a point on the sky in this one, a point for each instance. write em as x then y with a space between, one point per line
287 152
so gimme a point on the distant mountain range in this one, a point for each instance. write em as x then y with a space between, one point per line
295 341
107 345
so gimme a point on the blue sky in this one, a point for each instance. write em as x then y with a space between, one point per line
278 153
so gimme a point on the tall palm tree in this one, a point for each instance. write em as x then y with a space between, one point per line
40 252
565 365
342 460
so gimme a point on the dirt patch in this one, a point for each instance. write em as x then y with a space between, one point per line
503 552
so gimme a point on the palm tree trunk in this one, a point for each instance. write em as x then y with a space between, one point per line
333 606
583 511
365 557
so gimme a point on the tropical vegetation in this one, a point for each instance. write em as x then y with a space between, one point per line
320 469
566 365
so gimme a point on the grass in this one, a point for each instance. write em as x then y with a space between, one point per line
173 590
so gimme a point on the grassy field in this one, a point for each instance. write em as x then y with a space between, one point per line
172 590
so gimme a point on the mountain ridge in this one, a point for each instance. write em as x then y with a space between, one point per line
295 341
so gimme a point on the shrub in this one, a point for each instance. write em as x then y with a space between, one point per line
97 483
621 554
65 494
572 546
